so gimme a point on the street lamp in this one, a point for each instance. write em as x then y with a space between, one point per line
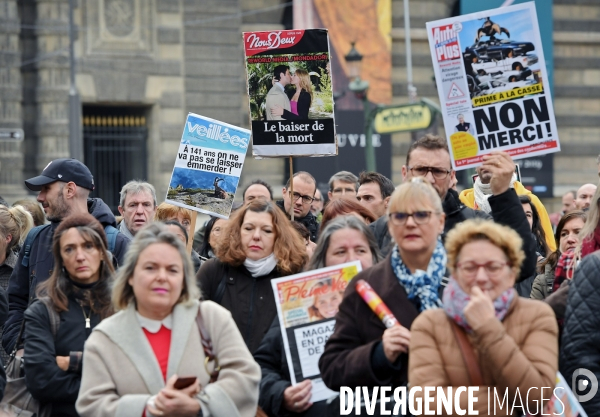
360 88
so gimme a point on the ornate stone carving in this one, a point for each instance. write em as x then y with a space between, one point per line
119 27
119 17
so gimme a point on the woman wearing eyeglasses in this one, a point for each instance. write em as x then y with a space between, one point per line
261 244
510 341
361 351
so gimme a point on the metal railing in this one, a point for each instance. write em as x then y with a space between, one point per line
115 152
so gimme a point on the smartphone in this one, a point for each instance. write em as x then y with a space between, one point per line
184 382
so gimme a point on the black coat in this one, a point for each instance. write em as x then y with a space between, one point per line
250 300
45 380
304 101
276 377
353 353
41 262
310 221
581 334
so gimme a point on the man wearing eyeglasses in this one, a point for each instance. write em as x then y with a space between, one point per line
299 202
429 158
343 184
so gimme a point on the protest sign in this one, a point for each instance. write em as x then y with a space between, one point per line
306 306
208 166
493 84
290 94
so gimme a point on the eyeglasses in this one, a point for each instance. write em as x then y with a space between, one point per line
469 269
420 217
306 199
343 191
438 173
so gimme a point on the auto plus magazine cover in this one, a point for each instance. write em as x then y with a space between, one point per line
493 84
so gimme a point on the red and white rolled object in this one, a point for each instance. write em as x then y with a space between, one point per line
376 303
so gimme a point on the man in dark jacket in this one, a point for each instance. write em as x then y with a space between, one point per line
305 187
63 186
429 157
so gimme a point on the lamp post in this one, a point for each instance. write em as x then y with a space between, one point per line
360 88
75 143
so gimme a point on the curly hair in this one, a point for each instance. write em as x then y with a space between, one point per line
289 249
59 286
500 236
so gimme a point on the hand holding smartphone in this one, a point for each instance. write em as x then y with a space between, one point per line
184 382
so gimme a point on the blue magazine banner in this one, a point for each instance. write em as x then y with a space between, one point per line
208 166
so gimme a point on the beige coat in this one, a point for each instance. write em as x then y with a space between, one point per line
519 352
120 370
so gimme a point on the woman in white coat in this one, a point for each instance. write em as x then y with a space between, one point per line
133 360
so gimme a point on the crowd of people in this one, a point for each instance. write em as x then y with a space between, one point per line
141 315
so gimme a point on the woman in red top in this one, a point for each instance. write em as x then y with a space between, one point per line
133 359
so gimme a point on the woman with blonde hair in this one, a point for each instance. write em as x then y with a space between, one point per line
261 245
165 353
325 301
15 223
300 98
361 351
485 335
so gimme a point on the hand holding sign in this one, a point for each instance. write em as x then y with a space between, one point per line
296 398
395 341
396 338
502 168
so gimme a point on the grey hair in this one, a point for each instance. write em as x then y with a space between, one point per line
343 222
135 187
344 176
153 233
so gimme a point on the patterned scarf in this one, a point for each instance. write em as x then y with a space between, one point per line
565 268
455 300
422 285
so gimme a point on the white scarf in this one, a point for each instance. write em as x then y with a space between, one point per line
484 191
262 266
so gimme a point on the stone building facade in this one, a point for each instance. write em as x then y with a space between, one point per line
142 65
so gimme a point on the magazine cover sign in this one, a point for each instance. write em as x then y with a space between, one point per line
493 84
208 166
306 305
290 94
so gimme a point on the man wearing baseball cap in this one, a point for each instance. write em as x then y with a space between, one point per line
63 188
